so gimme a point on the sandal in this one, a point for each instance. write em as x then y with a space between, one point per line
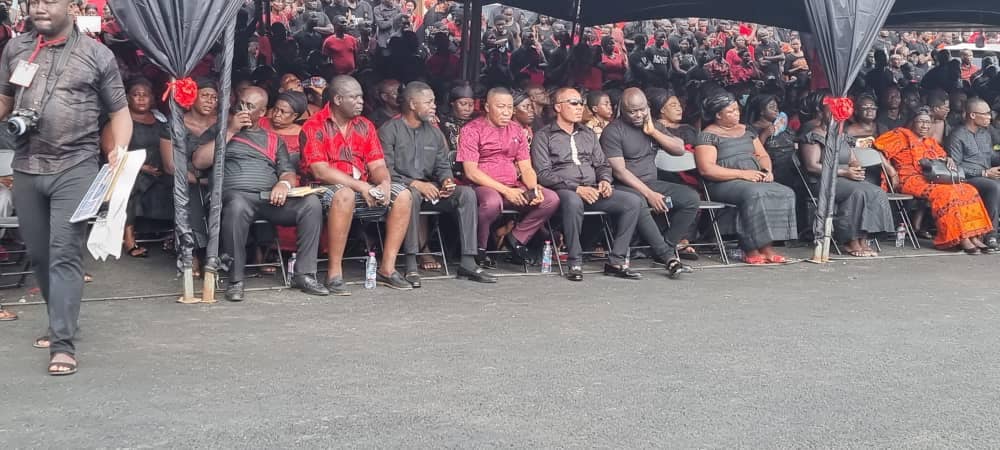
755 260
430 265
42 342
138 252
7 316
860 253
687 252
54 367
269 270
776 259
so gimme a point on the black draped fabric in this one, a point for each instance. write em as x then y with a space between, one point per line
176 35
844 30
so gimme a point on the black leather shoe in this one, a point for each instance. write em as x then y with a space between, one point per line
485 261
414 279
394 281
478 275
337 287
234 292
516 248
621 272
575 274
307 283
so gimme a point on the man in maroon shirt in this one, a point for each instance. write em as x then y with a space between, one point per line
342 150
492 149
341 47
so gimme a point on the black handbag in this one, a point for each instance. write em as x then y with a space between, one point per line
936 171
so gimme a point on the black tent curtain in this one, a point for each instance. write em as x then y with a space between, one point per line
176 35
843 30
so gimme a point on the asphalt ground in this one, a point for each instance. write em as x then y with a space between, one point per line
896 353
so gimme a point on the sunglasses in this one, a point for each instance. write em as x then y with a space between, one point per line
573 102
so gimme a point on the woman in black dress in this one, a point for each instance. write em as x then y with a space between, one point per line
737 170
152 193
862 207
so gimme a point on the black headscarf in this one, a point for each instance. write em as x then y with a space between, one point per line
296 100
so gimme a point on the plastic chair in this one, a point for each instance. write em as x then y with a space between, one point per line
869 158
676 164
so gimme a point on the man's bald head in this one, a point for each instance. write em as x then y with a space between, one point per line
634 108
978 113
346 97
252 99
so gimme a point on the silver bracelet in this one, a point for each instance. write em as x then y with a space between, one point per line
286 183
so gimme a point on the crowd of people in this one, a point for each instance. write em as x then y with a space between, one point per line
364 100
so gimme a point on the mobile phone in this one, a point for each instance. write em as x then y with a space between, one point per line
530 196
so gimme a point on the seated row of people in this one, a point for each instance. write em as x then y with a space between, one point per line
405 167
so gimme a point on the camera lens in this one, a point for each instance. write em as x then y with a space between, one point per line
17 126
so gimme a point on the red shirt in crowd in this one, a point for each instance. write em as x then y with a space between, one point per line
968 71
444 66
614 65
341 52
495 149
592 79
322 142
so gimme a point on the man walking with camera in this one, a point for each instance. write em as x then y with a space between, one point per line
54 85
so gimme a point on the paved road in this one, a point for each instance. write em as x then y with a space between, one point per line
899 353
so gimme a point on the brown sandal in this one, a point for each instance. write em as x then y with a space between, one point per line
7 316
70 367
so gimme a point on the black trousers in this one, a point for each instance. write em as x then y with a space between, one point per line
625 207
989 191
462 204
682 216
44 205
240 209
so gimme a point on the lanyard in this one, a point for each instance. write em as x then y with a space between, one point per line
44 44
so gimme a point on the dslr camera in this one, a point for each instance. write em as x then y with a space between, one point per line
22 121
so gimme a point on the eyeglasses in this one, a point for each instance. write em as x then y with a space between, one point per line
573 102
975 113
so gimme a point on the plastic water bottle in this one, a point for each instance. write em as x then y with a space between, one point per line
370 267
547 257
627 260
901 236
291 265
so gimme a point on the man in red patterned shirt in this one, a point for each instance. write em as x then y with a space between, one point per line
341 150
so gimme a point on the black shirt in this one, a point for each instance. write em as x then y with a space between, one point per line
771 48
552 156
621 140
415 153
661 59
255 159
68 132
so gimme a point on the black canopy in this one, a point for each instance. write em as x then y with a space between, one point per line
789 14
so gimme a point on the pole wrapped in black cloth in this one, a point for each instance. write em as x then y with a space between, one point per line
212 261
176 35
844 30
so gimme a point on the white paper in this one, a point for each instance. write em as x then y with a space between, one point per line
89 24
107 234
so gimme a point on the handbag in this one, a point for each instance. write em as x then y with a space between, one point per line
936 171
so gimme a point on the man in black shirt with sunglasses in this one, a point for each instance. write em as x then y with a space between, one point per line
569 160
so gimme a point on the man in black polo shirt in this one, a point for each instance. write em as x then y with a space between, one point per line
630 143
55 162
417 154
257 162
569 160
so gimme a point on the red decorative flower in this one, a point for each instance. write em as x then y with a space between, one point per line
185 92
842 108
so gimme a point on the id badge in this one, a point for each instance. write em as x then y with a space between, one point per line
24 73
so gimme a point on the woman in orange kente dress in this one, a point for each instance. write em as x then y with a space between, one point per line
961 217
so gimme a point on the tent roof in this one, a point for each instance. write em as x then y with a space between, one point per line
782 13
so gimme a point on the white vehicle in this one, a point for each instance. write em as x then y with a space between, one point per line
977 52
